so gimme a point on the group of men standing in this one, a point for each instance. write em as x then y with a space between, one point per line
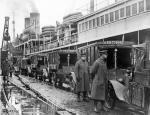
98 73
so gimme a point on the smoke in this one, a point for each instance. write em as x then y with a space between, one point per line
20 7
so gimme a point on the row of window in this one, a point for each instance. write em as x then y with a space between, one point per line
113 16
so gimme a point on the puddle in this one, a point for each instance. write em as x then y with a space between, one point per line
27 104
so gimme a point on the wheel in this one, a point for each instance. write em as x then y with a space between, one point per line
110 97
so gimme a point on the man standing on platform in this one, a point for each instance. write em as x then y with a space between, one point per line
5 70
99 75
82 76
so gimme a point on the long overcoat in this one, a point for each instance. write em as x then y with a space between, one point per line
5 68
99 72
82 75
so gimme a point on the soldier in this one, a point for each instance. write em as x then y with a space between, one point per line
82 76
99 75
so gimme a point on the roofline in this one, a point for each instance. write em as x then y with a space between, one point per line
102 10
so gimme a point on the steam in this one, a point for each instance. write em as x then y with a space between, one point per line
21 7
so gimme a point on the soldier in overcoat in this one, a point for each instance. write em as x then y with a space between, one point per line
99 75
82 76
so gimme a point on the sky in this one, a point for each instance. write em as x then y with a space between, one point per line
50 11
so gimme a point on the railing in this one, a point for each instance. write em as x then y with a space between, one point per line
54 44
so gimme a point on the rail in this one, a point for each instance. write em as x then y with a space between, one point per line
51 106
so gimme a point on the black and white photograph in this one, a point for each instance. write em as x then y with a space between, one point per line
74 57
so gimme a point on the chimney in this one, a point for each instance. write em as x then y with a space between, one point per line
35 21
27 22
91 6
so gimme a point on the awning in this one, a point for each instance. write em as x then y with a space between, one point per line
115 44
140 45
67 51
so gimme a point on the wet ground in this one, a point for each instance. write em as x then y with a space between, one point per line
27 102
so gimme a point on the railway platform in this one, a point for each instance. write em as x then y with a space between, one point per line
68 102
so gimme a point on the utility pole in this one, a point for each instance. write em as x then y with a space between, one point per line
13 22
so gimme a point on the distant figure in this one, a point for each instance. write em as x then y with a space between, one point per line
29 71
5 70
45 74
16 70
82 76
99 75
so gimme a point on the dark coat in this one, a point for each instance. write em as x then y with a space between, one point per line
82 75
99 73
5 68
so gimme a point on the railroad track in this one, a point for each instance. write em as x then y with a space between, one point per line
26 87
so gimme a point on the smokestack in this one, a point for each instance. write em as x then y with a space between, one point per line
91 6
27 22
35 22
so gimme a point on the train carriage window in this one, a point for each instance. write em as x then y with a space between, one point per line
80 29
83 26
102 20
93 23
122 12
128 11
111 16
117 15
98 21
134 9
90 24
106 18
141 6
86 25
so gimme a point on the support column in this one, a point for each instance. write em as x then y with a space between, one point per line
138 37
115 63
123 38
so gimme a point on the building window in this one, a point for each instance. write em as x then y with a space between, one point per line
122 12
111 16
102 20
86 25
93 23
147 4
128 11
90 24
98 21
106 18
117 15
134 9
141 6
